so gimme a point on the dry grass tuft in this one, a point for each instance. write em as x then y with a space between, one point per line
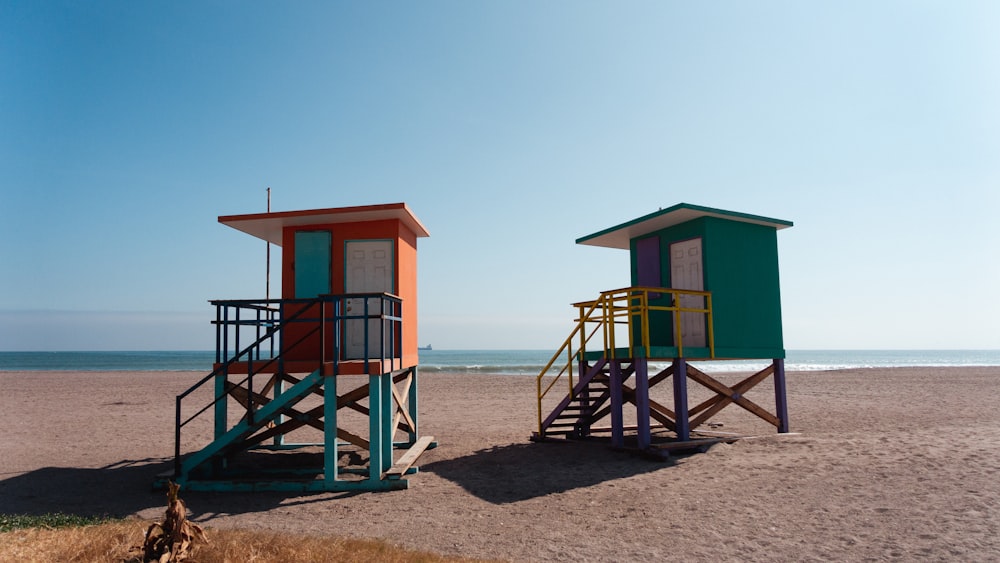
174 539
104 542
116 541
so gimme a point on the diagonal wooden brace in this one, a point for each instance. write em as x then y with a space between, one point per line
727 395
657 411
400 400
243 396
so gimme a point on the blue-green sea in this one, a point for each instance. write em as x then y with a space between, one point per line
505 362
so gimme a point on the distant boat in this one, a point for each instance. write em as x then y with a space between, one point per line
428 347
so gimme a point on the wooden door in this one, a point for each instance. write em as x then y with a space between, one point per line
686 272
312 263
369 269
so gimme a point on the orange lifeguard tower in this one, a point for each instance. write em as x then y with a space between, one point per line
340 342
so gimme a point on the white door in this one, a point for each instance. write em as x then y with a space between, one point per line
686 273
369 270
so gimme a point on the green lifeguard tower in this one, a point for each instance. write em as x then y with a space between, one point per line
704 287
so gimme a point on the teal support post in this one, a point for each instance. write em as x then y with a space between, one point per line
374 428
279 388
330 430
221 419
388 410
412 407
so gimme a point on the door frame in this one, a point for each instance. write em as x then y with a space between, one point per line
349 344
688 319
296 265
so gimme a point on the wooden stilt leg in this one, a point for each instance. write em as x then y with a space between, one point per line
279 388
617 421
780 398
584 397
221 416
329 430
374 428
642 403
388 410
681 400
412 406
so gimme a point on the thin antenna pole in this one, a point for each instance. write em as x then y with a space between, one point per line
267 288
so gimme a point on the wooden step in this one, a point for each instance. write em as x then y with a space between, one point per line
563 424
571 420
553 436
410 457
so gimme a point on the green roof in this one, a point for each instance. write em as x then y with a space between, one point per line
619 236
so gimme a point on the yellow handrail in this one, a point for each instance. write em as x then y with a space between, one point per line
632 303
567 346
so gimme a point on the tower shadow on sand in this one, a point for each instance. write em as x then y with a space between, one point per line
517 472
123 489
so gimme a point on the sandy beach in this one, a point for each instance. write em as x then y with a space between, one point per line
883 464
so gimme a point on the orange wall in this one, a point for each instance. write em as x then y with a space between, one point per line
405 254
406 274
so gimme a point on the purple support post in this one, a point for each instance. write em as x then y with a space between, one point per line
780 398
584 395
617 422
642 402
682 424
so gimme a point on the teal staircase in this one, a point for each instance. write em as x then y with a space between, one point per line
258 330
236 439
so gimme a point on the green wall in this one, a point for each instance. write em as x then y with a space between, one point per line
740 263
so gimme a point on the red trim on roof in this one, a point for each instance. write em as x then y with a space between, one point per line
269 226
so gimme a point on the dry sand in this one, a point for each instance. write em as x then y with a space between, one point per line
884 464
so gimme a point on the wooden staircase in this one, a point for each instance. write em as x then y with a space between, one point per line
240 437
359 406
588 403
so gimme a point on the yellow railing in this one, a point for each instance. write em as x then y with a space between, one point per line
629 307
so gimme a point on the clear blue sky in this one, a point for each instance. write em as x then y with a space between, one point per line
511 129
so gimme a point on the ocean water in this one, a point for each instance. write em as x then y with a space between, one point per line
531 362
505 362
108 361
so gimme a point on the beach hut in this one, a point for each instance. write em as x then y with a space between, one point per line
704 287
335 358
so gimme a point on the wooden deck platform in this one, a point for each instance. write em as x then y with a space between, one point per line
342 367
